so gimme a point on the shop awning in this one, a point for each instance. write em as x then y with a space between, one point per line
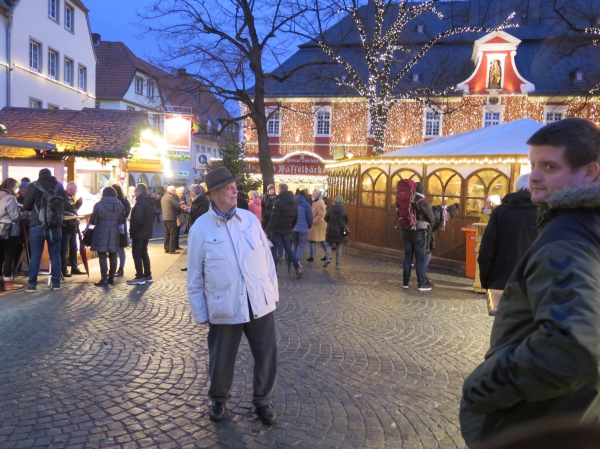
505 139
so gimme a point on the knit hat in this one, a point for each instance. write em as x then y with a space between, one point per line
420 187
453 210
338 199
270 186
23 185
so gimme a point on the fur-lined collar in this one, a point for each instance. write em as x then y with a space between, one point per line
587 197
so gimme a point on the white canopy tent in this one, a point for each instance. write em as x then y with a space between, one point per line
500 140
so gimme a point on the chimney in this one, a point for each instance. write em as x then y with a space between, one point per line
96 38
181 72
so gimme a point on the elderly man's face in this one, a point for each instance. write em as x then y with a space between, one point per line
72 189
225 197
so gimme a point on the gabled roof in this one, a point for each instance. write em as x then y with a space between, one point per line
117 67
539 58
507 139
86 130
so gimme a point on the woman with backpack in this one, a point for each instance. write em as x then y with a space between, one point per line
336 219
107 217
127 209
10 215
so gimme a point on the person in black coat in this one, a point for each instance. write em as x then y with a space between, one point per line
267 202
142 226
336 218
242 198
509 234
284 217
127 209
200 203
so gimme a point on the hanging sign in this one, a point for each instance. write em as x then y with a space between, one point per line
177 132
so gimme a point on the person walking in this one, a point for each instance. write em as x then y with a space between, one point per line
544 354
126 212
415 242
69 233
242 198
511 231
142 225
305 221
316 233
284 217
108 218
254 205
232 287
171 208
41 191
10 215
336 218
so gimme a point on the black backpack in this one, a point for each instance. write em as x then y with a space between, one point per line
52 209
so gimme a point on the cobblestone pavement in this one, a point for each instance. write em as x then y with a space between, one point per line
362 363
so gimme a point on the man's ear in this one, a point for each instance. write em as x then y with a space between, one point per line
592 172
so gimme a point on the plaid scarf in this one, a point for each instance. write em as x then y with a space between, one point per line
228 216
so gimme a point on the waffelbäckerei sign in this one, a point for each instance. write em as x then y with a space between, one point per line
295 165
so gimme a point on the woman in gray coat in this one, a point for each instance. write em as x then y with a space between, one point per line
108 219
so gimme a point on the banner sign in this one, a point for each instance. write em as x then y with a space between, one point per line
295 165
177 132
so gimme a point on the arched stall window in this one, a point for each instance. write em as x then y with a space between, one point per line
143 178
403 173
444 187
374 188
482 184
353 187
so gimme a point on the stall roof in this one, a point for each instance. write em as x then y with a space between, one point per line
502 140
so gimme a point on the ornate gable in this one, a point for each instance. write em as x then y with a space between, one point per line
495 70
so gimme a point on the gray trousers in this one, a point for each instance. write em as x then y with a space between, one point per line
223 343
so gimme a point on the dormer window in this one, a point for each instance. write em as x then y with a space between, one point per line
420 28
416 77
579 76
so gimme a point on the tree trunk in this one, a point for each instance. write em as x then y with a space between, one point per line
379 126
260 120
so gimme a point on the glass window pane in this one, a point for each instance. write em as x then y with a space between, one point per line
434 200
499 186
381 183
435 186
367 182
475 206
453 187
367 198
379 199
476 188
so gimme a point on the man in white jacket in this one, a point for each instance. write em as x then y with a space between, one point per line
232 286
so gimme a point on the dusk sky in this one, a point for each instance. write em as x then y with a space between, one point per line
116 20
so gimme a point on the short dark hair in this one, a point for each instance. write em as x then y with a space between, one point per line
579 137
109 191
119 191
142 187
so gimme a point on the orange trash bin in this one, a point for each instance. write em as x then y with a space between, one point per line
471 261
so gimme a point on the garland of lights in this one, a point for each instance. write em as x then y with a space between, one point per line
380 48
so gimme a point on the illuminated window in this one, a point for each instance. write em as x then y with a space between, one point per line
274 121
579 77
444 187
481 185
396 177
323 121
491 118
433 121
420 28
374 188
553 116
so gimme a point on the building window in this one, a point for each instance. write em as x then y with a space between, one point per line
35 56
420 28
35 104
416 78
323 121
444 187
491 119
403 173
139 85
579 76
68 71
82 78
273 122
52 64
480 186
150 90
433 122
552 116
130 108
52 106
53 9
374 187
69 16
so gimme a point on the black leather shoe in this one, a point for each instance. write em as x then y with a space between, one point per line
217 411
183 269
77 272
267 414
67 275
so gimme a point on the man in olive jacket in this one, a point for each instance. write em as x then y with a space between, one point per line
544 357
170 209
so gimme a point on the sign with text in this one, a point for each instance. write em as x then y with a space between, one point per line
202 161
295 165
178 132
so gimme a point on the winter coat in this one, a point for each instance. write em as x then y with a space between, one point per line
107 216
336 218
9 207
170 206
127 210
284 215
71 206
255 207
544 356
266 203
510 232
229 264
317 231
305 216
33 197
242 200
423 214
141 223
199 207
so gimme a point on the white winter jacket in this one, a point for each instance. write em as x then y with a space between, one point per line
9 208
229 262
